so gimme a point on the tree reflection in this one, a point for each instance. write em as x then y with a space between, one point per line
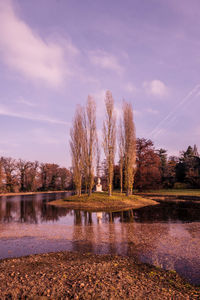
32 209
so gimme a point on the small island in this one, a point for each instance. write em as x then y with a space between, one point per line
102 202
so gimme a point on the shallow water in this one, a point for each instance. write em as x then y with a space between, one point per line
166 235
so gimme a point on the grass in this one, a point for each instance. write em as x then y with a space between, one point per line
103 202
174 192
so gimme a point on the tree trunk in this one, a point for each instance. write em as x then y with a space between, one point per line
89 192
121 179
109 190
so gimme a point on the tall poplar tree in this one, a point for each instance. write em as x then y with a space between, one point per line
129 147
76 145
89 142
109 138
1 174
121 153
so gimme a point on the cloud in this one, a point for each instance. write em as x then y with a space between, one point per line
24 50
105 61
156 88
4 111
130 88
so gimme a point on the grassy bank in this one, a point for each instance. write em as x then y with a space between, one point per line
102 202
71 275
173 192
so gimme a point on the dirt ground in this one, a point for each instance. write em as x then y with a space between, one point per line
72 275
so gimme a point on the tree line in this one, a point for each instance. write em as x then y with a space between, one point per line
156 170
26 176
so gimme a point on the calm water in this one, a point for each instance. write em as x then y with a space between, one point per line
166 235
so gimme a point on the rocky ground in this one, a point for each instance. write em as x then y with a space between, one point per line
71 275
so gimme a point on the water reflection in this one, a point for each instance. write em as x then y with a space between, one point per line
167 235
33 209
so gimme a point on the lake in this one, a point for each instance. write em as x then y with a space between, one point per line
166 235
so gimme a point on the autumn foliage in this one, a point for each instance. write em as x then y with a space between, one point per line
26 176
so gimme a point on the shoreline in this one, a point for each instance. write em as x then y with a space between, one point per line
89 276
171 192
32 193
176 198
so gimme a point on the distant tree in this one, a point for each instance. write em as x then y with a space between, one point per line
148 175
129 147
188 168
116 177
76 145
26 176
195 151
53 176
23 169
162 153
190 152
9 169
170 174
33 177
65 178
44 176
109 138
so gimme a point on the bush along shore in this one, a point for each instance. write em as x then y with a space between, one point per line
102 202
72 275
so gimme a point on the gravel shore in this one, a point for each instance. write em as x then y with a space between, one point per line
72 275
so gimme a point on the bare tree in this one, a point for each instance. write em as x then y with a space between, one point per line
26 176
121 148
64 178
76 144
129 147
109 138
98 160
85 158
44 176
23 168
89 141
9 168
33 176
1 174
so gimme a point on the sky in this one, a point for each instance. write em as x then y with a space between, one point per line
54 53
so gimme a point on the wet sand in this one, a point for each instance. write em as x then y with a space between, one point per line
71 275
